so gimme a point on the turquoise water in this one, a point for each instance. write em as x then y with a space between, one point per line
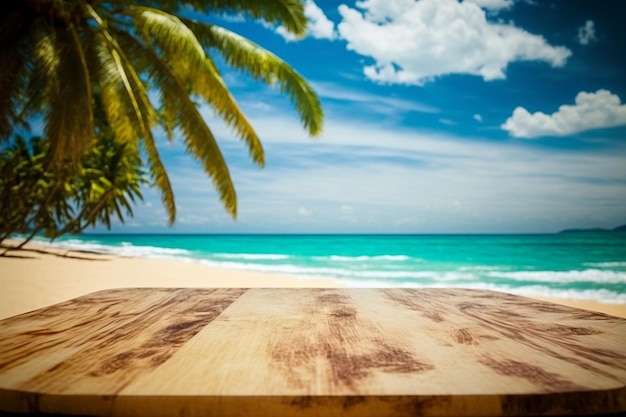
577 265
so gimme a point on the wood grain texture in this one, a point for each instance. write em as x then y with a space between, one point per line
312 352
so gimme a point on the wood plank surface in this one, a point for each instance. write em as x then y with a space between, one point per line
312 352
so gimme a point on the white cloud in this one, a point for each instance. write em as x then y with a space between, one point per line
415 42
320 27
234 18
493 5
363 176
447 122
591 111
401 181
478 118
587 33
376 102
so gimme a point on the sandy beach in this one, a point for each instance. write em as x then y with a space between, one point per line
32 279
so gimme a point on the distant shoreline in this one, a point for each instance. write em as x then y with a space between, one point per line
618 229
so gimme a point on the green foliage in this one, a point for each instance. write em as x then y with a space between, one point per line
63 59
34 198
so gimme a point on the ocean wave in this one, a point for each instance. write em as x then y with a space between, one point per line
599 295
153 252
123 249
361 258
403 275
343 273
275 268
75 244
397 271
587 275
251 256
606 264
479 268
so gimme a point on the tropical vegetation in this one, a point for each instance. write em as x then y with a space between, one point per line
36 200
101 76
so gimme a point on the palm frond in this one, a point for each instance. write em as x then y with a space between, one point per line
161 179
114 67
36 78
119 69
87 67
69 121
198 138
261 64
197 70
167 116
118 104
289 13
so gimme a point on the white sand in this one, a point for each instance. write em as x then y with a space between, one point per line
31 280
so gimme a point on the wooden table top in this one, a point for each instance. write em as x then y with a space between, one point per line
311 352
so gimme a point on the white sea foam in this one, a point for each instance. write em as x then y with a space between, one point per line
419 275
606 264
342 273
125 249
277 268
479 268
77 245
251 256
601 295
354 271
587 275
153 252
362 258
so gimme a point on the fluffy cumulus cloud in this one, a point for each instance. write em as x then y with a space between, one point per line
587 33
320 27
601 109
413 42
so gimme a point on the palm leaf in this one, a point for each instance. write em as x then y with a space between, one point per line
199 139
119 76
118 103
289 13
198 71
33 88
56 54
69 121
261 64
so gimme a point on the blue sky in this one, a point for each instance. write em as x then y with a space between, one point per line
482 116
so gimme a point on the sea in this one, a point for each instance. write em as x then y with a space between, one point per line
577 265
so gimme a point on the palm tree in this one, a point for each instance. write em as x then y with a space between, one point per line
32 198
62 58
58 203
107 184
21 174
